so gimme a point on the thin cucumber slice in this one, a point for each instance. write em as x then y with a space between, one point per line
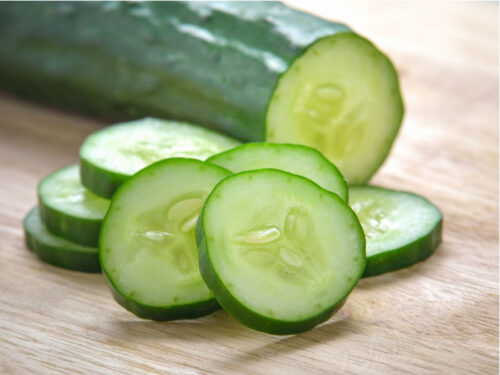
68 209
401 228
341 97
147 245
58 251
110 156
297 159
280 253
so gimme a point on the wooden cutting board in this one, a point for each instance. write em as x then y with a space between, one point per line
440 316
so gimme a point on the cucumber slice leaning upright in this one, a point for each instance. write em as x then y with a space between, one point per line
58 251
110 156
297 159
68 209
280 253
401 228
147 246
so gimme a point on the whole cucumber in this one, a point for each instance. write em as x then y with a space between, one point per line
219 64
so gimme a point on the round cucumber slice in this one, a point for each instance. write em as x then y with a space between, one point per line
342 97
280 253
401 228
110 156
68 209
147 245
297 159
58 251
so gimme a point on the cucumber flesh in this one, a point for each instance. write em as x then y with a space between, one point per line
58 251
110 156
401 228
288 252
68 209
297 159
147 245
341 97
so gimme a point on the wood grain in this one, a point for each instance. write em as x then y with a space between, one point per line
440 316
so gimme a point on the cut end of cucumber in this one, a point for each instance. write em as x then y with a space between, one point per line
129 147
342 97
148 247
63 191
288 251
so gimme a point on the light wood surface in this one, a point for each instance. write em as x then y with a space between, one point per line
440 316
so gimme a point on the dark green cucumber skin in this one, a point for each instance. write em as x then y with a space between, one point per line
405 256
80 230
242 313
71 260
211 63
162 314
100 181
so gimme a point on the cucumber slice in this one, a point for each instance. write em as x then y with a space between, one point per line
280 253
401 228
110 156
68 209
297 159
58 251
147 245
341 97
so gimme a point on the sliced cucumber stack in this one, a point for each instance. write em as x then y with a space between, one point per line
302 160
342 97
110 156
68 209
280 253
56 250
401 228
147 245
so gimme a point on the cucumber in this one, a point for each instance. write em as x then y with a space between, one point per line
147 246
56 250
68 209
401 228
280 253
259 71
297 159
110 156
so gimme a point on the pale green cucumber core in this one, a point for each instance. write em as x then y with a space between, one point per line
63 191
341 97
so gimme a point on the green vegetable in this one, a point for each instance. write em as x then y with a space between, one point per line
58 251
280 253
110 156
297 159
401 228
68 209
254 70
147 246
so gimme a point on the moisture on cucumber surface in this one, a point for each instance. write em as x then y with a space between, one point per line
280 253
56 250
147 246
297 159
341 97
68 209
401 228
110 156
